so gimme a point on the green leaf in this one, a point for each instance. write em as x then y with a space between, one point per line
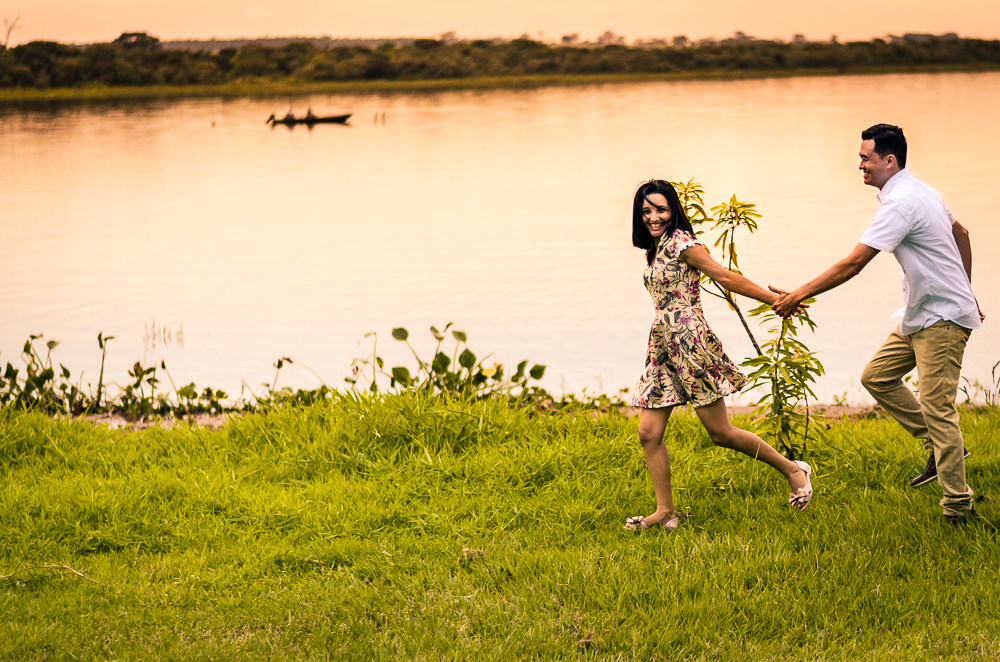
467 359
519 374
537 371
401 334
459 335
440 363
402 375
437 334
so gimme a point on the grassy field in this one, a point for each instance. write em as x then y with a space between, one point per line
424 528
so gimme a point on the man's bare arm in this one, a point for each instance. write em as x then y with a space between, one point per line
839 273
964 246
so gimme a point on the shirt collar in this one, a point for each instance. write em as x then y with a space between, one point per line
889 185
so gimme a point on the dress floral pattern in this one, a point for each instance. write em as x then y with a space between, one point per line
685 361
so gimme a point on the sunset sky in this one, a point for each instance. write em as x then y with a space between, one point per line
78 21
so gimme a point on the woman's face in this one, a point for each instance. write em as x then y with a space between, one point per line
656 214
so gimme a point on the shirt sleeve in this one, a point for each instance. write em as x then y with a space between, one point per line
680 242
889 227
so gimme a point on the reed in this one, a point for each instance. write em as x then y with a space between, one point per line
419 526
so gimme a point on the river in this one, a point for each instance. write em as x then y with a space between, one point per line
196 235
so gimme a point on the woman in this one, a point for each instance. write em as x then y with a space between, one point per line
685 362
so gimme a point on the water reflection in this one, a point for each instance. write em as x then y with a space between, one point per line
504 211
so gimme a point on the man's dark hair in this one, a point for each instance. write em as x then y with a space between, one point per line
889 139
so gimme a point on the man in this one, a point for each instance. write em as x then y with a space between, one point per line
935 254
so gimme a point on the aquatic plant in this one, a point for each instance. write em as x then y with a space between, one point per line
460 373
39 386
457 372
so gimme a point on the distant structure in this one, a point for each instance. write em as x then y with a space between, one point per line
138 40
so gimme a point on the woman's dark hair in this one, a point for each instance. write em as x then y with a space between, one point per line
678 219
889 139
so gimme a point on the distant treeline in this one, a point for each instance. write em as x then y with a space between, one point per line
43 64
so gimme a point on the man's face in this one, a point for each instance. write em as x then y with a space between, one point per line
877 170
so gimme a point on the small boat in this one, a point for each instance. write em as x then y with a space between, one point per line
308 119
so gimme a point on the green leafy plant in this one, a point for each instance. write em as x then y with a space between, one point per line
784 367
41 386
458 372
274 396
102 342
726 218
134 398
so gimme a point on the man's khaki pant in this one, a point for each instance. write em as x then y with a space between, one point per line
936 352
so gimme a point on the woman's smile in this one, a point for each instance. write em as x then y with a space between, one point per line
656 214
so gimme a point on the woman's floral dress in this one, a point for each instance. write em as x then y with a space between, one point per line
684 361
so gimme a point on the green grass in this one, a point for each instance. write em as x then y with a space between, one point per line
425 528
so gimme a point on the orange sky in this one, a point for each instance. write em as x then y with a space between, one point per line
82 21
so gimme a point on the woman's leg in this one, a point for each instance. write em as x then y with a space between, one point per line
722 433
652 423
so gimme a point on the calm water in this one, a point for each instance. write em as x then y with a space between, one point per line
195 234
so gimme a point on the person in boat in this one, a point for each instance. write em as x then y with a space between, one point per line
309 114
685 362
289 116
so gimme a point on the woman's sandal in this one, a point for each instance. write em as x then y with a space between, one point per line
801 497
638 523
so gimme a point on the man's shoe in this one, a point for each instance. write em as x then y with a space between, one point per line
971 516
930 471
927 475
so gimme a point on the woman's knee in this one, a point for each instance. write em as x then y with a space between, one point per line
722 436
650 435
652 425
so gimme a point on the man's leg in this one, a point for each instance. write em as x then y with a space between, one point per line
883 378
939 350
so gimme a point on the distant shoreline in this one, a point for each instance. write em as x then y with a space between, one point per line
284 89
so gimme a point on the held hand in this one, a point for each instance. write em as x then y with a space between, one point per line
785 305
780 292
